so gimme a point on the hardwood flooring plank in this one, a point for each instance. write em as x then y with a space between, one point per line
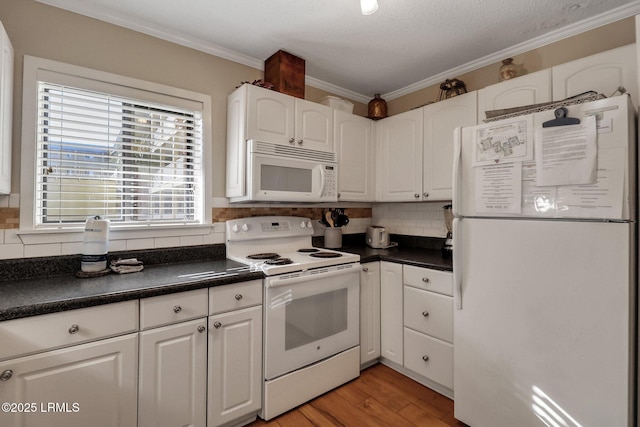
421 418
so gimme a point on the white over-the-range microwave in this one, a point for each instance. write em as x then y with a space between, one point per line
268 172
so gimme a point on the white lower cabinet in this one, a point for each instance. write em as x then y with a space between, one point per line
369 313
173 381
391 340
93 383
235 353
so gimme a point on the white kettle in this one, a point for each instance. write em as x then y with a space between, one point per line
377 237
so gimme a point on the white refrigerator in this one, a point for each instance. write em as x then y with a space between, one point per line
544 269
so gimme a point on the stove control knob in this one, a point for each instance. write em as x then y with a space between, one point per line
309 224
303 224
235 228
245 227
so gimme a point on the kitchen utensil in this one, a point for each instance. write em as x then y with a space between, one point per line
328 217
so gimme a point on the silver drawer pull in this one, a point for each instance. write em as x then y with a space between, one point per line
201 329
177 309
426 280
238 297
425 313
74 329
425 358
6 375
365 269
217 325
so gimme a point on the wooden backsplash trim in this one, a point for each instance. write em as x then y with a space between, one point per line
225 214
9 218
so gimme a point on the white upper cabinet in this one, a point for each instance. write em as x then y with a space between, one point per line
282 119
353 136
530 89
6 97
603 72
399 157
440 119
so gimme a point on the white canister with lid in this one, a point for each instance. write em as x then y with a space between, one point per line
95 245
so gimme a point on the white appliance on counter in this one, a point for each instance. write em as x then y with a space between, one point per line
311 309
282 173
545 276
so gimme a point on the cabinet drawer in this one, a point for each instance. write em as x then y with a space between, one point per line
429 313
430 280
429 357
39 333
233 297
173 308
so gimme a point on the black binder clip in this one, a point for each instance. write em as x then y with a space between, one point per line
561 119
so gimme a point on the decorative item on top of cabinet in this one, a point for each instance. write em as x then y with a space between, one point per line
377 108
508 70
286 72
450 88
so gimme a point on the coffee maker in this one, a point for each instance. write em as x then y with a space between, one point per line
447 246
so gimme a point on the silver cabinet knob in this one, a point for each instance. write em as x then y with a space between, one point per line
426 280
292 141
299 142
425 313
425 195
238 297
74 329
177 309
365 269
6 375
201 329
425 358
217 325
417 196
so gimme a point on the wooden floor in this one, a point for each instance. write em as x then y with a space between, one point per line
379 397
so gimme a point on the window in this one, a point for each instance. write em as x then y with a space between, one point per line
132 155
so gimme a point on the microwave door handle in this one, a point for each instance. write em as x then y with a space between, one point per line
322 178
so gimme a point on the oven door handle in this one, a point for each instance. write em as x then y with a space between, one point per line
286 279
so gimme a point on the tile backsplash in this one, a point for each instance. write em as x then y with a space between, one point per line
411 219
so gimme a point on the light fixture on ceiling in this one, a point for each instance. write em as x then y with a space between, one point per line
368 7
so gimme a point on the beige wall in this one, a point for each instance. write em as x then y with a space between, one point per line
39 30
588 43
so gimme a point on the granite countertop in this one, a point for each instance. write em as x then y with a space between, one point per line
54 287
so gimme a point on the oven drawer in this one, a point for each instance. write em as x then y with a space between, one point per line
232 297
427 279
429 357
48 331
429 313
173 308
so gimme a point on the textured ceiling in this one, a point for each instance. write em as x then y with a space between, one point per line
405 42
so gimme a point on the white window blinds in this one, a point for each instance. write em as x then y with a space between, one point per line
132 161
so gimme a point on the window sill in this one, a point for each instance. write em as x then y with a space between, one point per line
71 235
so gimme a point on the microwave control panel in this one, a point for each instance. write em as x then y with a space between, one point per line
331 181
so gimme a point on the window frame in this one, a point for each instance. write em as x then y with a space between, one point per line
43 69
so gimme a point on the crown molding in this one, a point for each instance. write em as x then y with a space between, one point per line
613 15
320 84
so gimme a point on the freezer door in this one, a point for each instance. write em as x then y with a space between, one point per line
545 333
484 190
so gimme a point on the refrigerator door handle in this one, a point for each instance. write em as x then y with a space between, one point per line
457 261
457 159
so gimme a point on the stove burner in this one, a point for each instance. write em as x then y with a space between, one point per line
267 255
308 250
279 261
325 255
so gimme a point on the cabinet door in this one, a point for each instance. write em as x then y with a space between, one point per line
440 119
6 107
399 157
354 145
369 312
603 72
91 384
391 311
235 365
173 366
529 89
270 116
313 126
